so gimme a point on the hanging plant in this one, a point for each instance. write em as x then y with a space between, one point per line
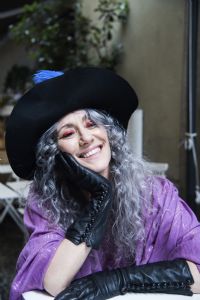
58 35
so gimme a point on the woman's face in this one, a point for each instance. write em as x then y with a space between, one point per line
86 141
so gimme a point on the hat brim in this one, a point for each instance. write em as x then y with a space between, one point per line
50 100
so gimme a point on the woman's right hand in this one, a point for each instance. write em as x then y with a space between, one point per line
91 224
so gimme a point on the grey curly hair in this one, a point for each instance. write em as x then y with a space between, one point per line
130 177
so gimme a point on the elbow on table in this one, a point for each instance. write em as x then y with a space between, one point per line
195 287
53 285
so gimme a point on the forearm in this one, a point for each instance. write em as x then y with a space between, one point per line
196 276
65 264
169 277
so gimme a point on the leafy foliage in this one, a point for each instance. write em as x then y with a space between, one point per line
16 78
58 35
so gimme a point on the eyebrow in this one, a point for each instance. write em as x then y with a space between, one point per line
68 125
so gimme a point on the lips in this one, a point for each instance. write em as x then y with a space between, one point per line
89 152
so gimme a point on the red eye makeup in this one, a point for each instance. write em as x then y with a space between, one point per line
67 133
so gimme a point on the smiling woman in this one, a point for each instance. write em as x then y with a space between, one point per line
100 223
86 141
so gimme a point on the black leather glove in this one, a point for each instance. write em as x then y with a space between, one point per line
169 277
91 224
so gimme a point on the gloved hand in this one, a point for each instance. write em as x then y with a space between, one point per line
91 224
169 277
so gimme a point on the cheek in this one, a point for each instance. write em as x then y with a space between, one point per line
67 146
107 150
108 154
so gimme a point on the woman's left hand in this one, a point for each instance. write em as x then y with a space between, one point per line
90 225
83 288
97 286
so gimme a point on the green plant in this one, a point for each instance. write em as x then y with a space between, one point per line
17 78
58 35
17 81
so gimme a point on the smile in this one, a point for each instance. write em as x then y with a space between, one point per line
91 152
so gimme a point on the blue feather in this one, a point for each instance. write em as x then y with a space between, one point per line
43 75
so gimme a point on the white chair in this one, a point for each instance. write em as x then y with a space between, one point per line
21 187
7 198
5 169
159 169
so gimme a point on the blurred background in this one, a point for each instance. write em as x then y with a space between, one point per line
152 43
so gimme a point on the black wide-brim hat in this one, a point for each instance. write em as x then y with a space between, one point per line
50 100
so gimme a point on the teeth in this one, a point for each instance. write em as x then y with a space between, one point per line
96 150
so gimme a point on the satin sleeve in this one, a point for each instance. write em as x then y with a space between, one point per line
37 253
171 229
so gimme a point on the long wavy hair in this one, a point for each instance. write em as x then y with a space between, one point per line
130 177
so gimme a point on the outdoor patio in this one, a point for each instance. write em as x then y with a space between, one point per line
153 44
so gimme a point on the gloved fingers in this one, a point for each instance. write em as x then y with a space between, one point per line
80 289
83 176
71 163
64 160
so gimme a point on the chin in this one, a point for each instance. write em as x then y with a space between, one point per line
102 170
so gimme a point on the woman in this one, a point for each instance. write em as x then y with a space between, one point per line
95 213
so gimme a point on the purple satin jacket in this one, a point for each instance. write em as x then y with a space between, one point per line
171 231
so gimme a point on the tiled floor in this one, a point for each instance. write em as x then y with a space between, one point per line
11 243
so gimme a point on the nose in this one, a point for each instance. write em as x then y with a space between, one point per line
85 137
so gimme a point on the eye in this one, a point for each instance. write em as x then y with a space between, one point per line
67 134
90 123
